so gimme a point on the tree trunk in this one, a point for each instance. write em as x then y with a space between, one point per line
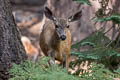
28 2
11 48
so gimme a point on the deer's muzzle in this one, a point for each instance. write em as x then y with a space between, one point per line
62 37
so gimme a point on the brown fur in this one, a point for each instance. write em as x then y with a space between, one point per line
50 42
31 51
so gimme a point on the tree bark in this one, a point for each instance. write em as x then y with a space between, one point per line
29 2
11 48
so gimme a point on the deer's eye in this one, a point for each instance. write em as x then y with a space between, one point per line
68 26
56 26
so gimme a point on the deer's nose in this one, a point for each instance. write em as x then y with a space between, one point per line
62 37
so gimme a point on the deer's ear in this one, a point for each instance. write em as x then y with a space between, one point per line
75 17
49 14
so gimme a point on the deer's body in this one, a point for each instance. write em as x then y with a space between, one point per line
55 39
52 45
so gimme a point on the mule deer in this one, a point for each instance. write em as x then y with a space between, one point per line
31 51
55 38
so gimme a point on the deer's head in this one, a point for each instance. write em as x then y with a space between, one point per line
61 24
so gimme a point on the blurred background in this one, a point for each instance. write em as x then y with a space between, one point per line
29 18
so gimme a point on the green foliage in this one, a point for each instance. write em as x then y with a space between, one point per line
115 18
42 71
39 71
96 53
100 50
117 72
83 1
99 47
98 72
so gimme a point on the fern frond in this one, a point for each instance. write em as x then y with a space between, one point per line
96 53
83 1
115 18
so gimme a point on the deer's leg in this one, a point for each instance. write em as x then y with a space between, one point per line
52 55
67 56
67 61
35 57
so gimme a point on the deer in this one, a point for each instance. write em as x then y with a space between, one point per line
55 38
31 51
